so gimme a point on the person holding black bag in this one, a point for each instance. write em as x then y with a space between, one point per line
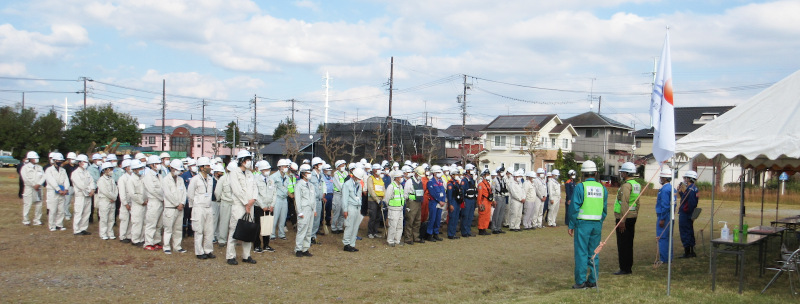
244 193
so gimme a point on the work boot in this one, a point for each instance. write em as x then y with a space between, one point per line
685 253
692 254
436 237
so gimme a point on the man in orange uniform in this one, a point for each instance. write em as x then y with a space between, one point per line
424 207
484 203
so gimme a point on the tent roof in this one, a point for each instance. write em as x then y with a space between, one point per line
764 130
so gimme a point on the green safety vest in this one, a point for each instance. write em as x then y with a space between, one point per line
592 208
341 176
397 200
292 182
417 186
636 190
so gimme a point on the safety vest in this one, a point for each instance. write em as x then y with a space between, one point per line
636 190
341 176
397 200
592 208
292 182
377 185
418 193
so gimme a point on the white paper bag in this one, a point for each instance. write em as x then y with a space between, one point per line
266 224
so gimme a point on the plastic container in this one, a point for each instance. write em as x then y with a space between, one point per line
736 234
744 231
725 233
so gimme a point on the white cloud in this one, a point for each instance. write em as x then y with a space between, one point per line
12 69
307 4
25 45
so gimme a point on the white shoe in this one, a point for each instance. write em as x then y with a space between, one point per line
112 237
105 238
37 223
52 229
26 223
371 236
68 218
63 228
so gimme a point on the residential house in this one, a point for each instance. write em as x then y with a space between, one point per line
470 145
368 139
525 141
301 146
599 135
195 137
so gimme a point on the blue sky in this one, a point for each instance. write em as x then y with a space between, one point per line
228 51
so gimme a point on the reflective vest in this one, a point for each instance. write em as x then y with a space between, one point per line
592 208
397 200
292 182
636 190
418 193
341 176
377 185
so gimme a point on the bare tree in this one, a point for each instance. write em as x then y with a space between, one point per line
331 145
531 145
376 143
430 145
291 145
357 133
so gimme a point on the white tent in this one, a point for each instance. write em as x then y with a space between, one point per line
761 133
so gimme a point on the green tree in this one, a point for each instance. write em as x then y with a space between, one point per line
48 133
284 127
559 164
231 129
320 128
16 130
599 162
100 124
569 163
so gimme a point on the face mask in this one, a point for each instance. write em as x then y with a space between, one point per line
159 167
284 170
141 172
165 162
438 175
108 172
113 163
409 175
341 169
381 175
84 165
194 169
99 162
72 161
175 172
265 173
248 165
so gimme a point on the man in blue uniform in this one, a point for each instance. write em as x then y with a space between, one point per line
588 211
469 190
663 215
689 198
436 204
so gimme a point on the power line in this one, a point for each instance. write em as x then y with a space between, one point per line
38 79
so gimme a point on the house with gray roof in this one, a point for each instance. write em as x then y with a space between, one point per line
525 141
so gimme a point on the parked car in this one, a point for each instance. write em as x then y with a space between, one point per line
8 161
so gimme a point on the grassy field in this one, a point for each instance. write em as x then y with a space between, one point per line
533 266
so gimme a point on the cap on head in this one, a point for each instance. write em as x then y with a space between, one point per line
316 161
111 157
339 163
530 174
359 173
58 156
665 172
97 156
82 158
326 167
305 168
690 174
164 155
556 172
126 163
106 165
139 156
628 167
126 156
135 164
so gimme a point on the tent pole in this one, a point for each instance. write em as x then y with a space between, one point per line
671 226
741 202
778 200
763 194
713 192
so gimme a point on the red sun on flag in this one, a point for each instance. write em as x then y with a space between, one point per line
668 91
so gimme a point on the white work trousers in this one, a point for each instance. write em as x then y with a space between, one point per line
304 231
537 214
124 223
31 198
173 228
55 208
137 223
516 214
552 213
83 210
224 222
237 212
527 215
105 210
395 232
351 224
279 224
153 222
337 218
215 218
203 225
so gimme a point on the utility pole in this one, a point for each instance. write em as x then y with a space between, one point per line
309 121
327 95
235 130
203 131
292 101
389 118
23 102
84 92
426 112
463 121
163 109
255 123
599 103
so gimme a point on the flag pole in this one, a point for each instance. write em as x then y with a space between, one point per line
671 226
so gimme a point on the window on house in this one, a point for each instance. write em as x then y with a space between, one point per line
592 133
543 142
518 166
499 141
553 142
151 140
565 143
638 143
520 141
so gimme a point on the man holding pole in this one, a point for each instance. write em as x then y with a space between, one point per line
589 208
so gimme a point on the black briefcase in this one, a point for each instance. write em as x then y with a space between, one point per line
246 229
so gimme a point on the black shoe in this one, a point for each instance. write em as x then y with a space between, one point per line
232 262
349 248
203 257
591 285
431 239
139 244
453 237
692 254
436 237
249 260
313 241
211 256
308 254
421 241
622 272
410 242
495 232
579 286
85 232
258 250
685 253
269 249
298 254
501 231
125 241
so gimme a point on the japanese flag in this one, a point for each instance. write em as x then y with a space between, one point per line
662 109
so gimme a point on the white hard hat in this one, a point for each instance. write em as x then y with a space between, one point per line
454 171
135 164
407 163
71 155
97 156
176 164
384 163
339 163
519 172
262 165
396 174
556 172
203 161
32 155
217 168
51 154
406 169
191 162
665 172
111 157
549 174
414 165
106 165
305 168
540 171
395 164
588 167
281 163
316 160
363 161
293 166
690 174
571 172
58 156
530 174
242 154
124 157
359 173
164 155
326 167
352 166
493 173
469 167
139 156
126 163
153 159
628 167
376 167
436 169
218 159
82 158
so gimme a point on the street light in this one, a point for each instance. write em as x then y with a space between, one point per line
311 137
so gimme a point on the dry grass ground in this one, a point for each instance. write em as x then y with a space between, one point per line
534 266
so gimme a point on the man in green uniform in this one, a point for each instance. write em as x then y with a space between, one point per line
588 211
